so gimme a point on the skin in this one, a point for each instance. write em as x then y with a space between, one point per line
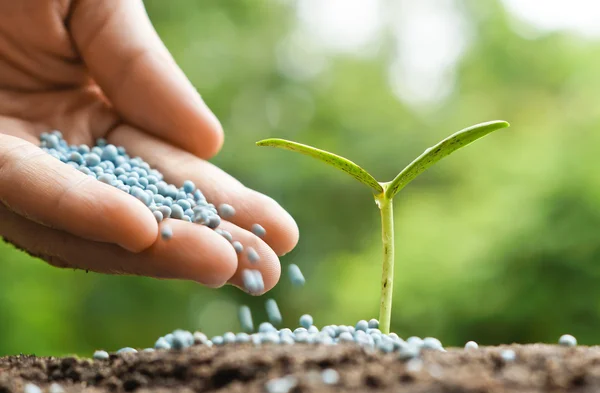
97 68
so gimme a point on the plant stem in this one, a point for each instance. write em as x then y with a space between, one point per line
387 279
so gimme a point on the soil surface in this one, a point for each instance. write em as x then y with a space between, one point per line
245 368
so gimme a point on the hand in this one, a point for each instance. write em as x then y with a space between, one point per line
97 68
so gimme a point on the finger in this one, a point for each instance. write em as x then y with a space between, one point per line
268 264
136 72
195 252
218 187
38 186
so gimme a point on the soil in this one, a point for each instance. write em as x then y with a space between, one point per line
245 368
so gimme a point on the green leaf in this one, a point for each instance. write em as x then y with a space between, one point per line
439 151
332 159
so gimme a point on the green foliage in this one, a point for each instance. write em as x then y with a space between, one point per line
498 245
334 160
435 153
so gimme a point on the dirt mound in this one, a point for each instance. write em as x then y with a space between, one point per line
246 368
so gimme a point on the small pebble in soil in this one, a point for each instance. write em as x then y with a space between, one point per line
238 247
296 276
226 210
252 255
470 345
281 385
567 340
508 355
31 388
166 232
330 376
245 317
56 388
258 230
273 312
306 321
101 355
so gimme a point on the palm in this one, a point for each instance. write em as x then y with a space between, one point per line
109 76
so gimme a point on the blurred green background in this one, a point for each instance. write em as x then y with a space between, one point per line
498 243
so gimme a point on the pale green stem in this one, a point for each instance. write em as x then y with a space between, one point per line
387 279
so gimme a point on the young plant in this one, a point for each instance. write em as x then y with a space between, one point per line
384 192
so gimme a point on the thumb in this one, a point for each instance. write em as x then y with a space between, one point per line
136 72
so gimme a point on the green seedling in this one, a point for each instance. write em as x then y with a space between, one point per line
384 192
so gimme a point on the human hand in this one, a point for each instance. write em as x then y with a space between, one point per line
97 68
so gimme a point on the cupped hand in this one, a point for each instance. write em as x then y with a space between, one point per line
97 68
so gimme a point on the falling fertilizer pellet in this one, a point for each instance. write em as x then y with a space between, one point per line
296 276
273 312
245 317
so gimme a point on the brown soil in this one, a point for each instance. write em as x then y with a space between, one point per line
244 368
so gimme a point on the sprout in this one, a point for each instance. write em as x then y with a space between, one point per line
384 192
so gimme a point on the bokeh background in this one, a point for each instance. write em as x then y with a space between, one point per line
498 243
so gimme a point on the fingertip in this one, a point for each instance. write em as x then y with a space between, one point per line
131 223
208 135
197 253
282 232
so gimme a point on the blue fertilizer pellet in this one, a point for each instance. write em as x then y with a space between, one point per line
100 355
373 323
306 321
226 210
471 345
158 215
362 325
253 256
166 232
228 338
330 376
281 385
189 186
296 276
31 388
176 211
242 338
258 230
266 327
567 340
91 159
162 343
245 317
273 312
127 350
217 340
508 355
56 388
238 247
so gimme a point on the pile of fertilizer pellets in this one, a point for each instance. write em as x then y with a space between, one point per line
112 165
364 333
